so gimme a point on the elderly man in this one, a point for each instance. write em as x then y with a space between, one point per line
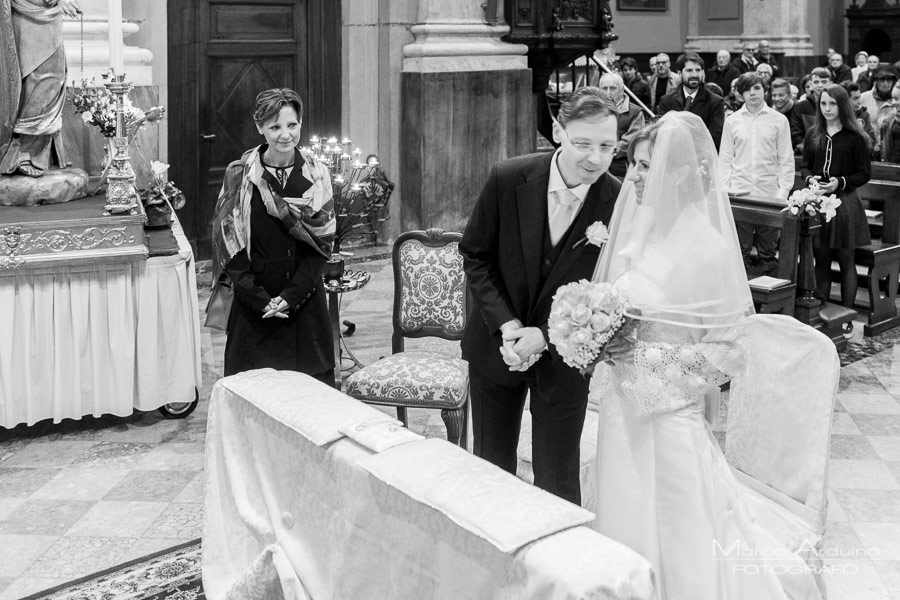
746 61
629 117
877 100
865 78
724 72
765 71
662 82
692 96
763 54
839 71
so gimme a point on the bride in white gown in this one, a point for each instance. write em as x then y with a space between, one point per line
664 487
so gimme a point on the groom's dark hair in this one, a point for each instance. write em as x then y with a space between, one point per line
587 103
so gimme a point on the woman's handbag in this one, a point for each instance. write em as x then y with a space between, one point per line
219 306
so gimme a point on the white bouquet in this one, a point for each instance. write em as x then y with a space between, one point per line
584 317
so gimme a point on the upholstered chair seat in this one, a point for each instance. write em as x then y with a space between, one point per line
431 299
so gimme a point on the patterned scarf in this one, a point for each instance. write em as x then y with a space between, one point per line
309 218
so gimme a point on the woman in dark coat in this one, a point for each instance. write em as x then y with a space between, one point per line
272 234
836 161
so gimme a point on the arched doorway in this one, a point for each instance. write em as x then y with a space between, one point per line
877 42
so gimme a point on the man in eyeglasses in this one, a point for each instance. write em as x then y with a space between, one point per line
763 55
746 61
525 238
663 81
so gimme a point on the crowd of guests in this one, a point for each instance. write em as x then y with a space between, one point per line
836 119
873 88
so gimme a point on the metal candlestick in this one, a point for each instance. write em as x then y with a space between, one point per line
121 196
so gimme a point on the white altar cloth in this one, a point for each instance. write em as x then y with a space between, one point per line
104 338
299 503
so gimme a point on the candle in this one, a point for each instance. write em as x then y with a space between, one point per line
116 59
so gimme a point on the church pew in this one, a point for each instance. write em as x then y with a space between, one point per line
878 264
760 211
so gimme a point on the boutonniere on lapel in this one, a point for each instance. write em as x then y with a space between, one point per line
596 234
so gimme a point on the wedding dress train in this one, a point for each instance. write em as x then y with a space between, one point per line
664 486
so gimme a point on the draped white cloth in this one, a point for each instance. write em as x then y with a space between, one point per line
311 494
96 339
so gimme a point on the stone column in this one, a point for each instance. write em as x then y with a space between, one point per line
784 23
96 46
466 103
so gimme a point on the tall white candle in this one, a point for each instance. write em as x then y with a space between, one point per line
116 60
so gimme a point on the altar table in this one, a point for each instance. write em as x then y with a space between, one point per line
312 494
99 337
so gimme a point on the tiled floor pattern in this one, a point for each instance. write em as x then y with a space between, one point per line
81 496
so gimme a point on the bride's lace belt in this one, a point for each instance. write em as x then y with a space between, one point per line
665 377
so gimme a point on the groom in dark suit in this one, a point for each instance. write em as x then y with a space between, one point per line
525 238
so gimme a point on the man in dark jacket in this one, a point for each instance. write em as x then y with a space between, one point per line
764 55
724 72
635 81
746 61
693 97
839 71
521 244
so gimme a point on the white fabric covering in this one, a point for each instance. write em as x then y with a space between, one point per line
285 516
99 339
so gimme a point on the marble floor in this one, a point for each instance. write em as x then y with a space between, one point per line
81 496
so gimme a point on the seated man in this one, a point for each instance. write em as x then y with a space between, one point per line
630 118
803 115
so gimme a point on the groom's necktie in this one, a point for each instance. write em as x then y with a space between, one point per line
562 212
687 102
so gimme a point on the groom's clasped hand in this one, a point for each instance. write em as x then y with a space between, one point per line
522 346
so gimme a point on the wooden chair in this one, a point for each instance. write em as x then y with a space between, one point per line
431 298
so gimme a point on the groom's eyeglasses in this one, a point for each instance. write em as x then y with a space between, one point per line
585 148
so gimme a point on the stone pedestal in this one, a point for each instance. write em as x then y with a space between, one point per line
53 187
466 103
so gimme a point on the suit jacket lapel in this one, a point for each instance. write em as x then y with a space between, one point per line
598 196
531 204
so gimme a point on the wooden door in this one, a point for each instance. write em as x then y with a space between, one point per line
222 53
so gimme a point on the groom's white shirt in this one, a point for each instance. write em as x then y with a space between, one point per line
557 184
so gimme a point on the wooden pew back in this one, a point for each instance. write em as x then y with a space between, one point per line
755 210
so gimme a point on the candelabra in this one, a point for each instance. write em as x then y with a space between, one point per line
121 196
352 206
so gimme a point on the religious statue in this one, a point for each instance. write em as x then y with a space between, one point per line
32 96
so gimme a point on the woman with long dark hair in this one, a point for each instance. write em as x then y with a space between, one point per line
272 234
836 161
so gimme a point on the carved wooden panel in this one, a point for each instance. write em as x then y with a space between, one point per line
237 22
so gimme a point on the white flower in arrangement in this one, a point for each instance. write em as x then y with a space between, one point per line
829 206
812 201
158 168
